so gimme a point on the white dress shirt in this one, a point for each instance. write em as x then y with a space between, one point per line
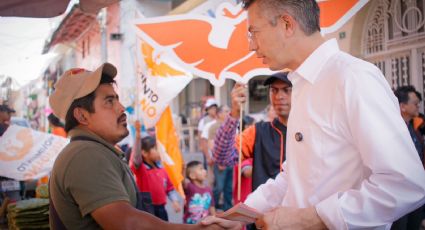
206 129
356 162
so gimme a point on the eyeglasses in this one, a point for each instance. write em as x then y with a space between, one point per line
286 90
251 36
252 33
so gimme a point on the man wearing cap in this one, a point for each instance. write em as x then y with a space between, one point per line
211 109
91 187
264 141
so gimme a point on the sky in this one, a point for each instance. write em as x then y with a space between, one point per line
21 45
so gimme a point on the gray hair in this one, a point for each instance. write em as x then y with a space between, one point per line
305 12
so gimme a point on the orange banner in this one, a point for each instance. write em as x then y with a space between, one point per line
28 154
217 48
167 136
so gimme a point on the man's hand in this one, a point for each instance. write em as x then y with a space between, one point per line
224 224
137 126
210 161
290 218
200 226
239 96
176 206
221 168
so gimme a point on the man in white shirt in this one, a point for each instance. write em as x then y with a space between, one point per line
350 161
211 109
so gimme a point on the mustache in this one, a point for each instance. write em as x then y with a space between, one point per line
123 117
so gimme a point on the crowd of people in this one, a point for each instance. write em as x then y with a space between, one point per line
340 149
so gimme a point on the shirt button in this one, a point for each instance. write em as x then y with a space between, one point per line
298 136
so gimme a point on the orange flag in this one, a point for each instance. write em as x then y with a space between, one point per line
166 135
217 47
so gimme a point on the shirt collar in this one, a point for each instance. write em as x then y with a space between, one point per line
278 124
156 165
81 132
311 66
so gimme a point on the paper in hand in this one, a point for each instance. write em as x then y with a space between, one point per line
242 213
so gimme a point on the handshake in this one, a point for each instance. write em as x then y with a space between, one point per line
277 218
221 223
234 218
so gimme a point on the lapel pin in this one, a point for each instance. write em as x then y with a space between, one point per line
298 136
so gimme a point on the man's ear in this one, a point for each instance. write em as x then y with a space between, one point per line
143 152
402 107
288 24
80 115
191 175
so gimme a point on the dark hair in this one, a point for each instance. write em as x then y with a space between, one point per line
3 128
54 120
190 166
211 106
419 95
402 93
85 102
247 120
147 143
305 12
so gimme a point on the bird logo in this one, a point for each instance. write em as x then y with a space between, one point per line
17 148
217 48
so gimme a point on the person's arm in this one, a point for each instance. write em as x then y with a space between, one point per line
223 223
212 210
247 171
248 142
291 218
173 195
396 184
136 153
224 151
205 148
121 215
268 195
226 145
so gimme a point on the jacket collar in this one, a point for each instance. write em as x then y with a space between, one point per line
278 124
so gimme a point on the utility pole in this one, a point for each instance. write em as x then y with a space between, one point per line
103 34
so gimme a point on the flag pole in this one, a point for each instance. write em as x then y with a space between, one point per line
240 152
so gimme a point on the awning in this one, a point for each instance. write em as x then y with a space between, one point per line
73 26
47 8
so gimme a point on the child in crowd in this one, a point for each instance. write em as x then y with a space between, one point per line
199 198
145 162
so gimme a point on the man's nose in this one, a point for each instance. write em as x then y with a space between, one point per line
252 45
282 94
121 107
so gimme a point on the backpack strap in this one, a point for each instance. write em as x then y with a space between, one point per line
55 221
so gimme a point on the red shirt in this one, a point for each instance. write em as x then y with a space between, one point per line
154 180
246 183
59 131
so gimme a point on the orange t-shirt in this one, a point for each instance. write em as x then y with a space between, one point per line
59 131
